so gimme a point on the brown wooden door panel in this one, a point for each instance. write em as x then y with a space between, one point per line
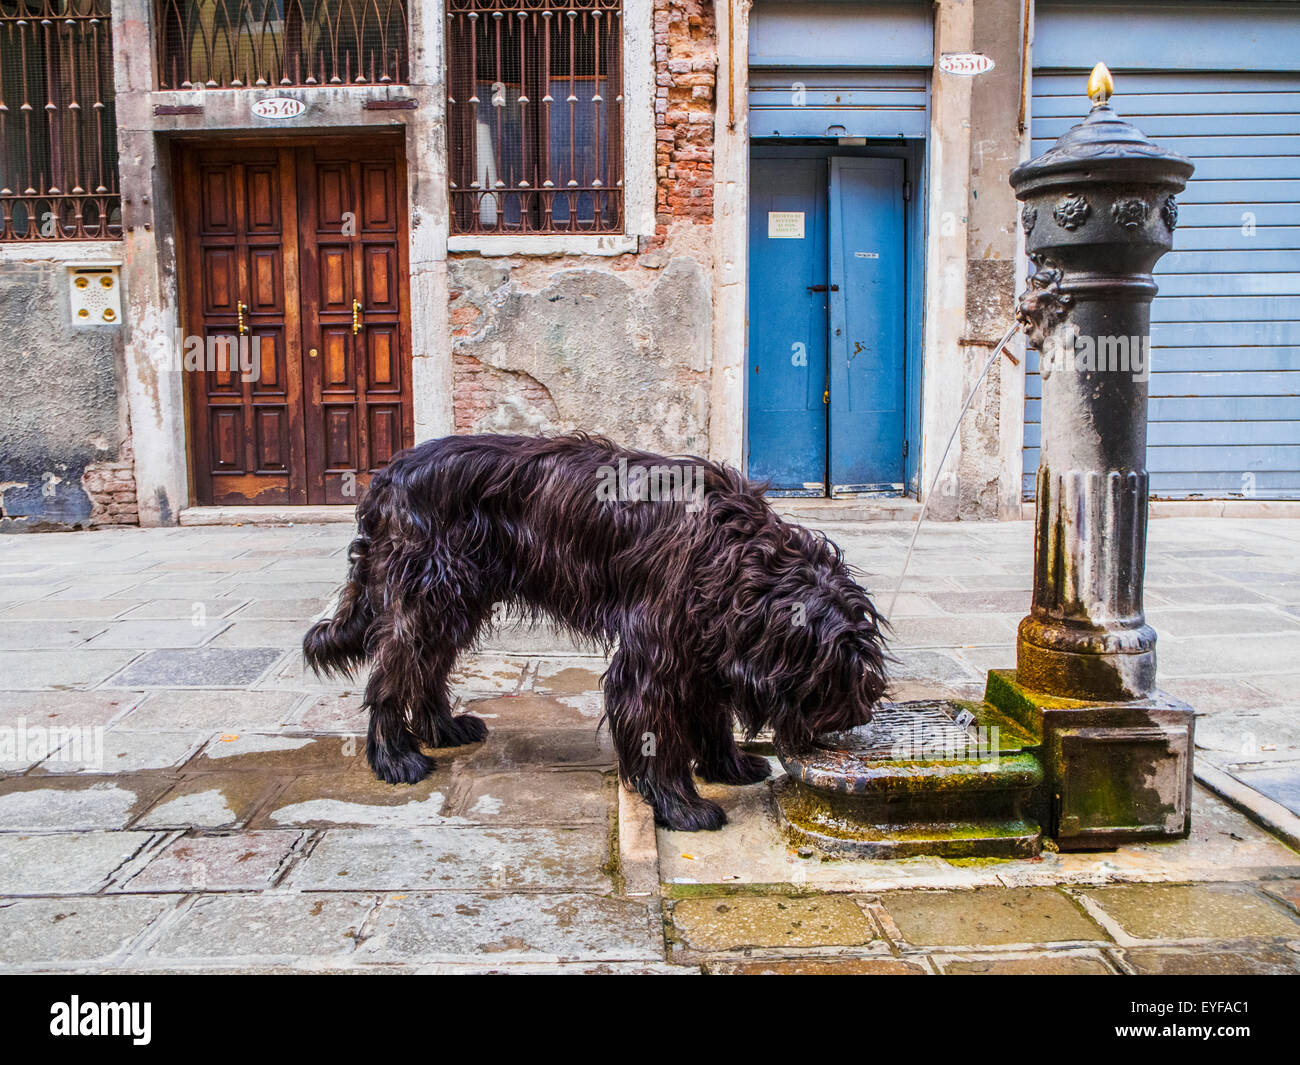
305 248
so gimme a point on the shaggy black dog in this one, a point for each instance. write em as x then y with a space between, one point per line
714 607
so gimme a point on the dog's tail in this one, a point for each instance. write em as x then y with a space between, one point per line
337 645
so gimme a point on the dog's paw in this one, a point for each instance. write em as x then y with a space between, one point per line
745 769
401 767
702 815
460 730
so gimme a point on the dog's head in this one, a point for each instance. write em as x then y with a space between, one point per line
819 664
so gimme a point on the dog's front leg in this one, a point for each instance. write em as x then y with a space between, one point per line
648 724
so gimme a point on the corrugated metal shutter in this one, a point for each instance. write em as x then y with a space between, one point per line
866 103
1225 387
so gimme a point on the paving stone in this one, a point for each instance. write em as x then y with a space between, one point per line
1229 959
125 752
248 928
280 752
817 967
740 921
61 670
1283 689
302 610
210 801
152 634
953 632
1220 621
63 862
202 667
532 712
456 859
285 634
357 797
1198 656
294 674
111 587
47 635
535 798
1193 911
57 609
584 748
210 711
450 926
182 609
1013 602
335 712
70 709
75 802
1046 964
988 917
1281 783
281 590
243 861
22 591
932 666
72 931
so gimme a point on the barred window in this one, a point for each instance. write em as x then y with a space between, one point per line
535 116
58 131
234 44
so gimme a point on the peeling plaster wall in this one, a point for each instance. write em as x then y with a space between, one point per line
63 415
619 346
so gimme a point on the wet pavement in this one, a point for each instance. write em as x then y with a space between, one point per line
177 794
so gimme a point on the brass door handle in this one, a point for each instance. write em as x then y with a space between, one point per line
356 317
313 353
240 310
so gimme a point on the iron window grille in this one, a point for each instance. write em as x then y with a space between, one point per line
58 131
236 44
535 116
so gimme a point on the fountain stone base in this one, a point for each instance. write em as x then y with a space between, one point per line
941 778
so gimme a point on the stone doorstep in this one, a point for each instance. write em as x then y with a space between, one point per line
307 515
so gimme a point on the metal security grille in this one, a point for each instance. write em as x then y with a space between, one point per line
235 44
535 116
58 133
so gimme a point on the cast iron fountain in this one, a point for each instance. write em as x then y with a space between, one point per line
1076 742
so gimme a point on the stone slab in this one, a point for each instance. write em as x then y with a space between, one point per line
534 798
256 928
1043 964
210 711
244 861
203 667
1234 959
503 928
739 922
61 670
988 917
457 859
1192 911
57 933
76 802
63 862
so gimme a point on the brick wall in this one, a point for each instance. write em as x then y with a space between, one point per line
111 488
686 66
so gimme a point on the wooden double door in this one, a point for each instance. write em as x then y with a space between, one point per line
297 317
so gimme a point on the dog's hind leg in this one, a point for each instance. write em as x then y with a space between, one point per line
720 761
647 720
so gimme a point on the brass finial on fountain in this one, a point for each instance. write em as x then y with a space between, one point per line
1100 85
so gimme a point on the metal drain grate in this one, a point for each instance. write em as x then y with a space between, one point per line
922 726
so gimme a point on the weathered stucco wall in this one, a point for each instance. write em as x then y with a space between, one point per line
64 437
615 346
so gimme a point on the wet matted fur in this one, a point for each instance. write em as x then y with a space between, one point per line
715 609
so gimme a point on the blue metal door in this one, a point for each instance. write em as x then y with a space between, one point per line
787 324
867 274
